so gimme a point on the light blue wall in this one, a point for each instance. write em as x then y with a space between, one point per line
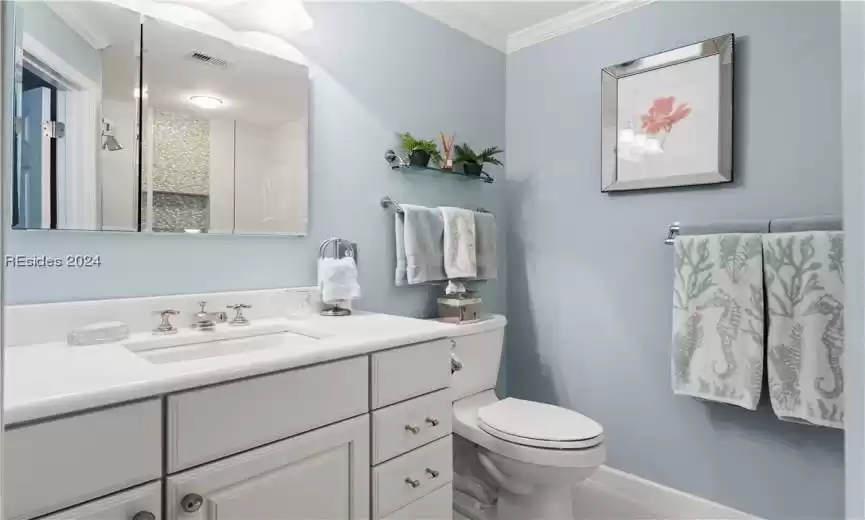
853 131
589 278
378 68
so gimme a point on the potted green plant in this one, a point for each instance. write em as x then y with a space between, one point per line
420 151
472 161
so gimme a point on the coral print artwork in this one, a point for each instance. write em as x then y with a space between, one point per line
662 117
668 121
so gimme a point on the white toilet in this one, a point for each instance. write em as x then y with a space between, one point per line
534 453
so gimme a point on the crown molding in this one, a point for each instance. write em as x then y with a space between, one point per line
450 14
595 12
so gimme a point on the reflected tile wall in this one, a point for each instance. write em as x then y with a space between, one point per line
181 172
177 212
181 159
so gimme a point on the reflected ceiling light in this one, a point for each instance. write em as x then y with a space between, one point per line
207 102
137 92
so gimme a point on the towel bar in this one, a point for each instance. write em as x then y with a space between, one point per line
781 225
672 232
387 202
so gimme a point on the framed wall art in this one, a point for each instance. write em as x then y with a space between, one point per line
667 119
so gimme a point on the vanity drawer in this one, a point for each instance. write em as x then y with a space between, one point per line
411 476
405 426
55 464
406 372
438 505
221 420
121 506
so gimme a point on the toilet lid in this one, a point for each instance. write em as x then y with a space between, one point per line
540 425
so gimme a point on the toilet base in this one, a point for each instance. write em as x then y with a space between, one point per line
543 503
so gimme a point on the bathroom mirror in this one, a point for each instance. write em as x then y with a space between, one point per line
77 75
224 136
194 134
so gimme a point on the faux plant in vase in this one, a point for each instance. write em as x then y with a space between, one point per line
472 161
420 151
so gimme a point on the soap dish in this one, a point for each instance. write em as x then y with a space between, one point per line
98 333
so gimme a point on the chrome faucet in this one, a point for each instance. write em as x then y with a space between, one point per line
206 321
165 326
239 319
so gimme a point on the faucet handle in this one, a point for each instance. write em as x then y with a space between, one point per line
165 326
239 318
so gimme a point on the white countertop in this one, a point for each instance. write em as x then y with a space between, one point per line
54 378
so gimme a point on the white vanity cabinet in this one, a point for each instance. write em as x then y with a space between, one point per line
63 462
363 437
412 447
321 474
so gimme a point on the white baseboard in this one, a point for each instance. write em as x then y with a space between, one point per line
657 501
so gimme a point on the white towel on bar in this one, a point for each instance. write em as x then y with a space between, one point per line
419 254
485 242
459 243
805 284
718 318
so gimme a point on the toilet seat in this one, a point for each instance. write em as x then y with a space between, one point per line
467 426
539 425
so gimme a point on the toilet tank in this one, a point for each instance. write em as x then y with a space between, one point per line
480 354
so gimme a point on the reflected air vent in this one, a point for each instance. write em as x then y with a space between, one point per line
208 60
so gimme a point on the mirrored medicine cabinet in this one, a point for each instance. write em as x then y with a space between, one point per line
126 122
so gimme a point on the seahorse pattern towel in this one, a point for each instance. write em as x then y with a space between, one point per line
718 318
805 284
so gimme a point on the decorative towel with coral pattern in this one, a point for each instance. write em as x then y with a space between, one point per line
718 318
459 243
805 284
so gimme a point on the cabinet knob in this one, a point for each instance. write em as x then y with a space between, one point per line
412 482
432 421
191 503
144 515
456 364
432 473
413 429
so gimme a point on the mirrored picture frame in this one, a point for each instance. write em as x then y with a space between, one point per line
667 119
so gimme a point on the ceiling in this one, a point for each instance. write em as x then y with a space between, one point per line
253 86
510 26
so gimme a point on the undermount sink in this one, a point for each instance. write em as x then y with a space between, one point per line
219 347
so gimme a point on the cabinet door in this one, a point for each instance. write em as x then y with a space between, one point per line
323 474
141 503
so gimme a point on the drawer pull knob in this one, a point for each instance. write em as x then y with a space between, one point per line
412 482
432 421
413 429
432 473
456 364
191 503
144 515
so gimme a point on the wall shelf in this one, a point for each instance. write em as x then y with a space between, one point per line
398 163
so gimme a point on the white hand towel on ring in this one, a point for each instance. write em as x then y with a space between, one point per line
337 279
